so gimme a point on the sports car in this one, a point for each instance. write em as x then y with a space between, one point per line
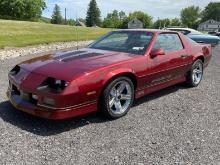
198 36
108 75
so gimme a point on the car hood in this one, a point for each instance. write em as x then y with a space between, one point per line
70 64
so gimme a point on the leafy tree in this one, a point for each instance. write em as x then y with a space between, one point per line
190 16
122 15
56 17
22 9
93 14
175 22
114 19
161 23
212 11
71 22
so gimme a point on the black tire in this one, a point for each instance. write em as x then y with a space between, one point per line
190 80
104 102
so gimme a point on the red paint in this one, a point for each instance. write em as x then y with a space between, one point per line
93 73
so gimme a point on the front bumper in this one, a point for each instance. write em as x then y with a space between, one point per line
50 113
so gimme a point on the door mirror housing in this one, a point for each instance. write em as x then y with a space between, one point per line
157 52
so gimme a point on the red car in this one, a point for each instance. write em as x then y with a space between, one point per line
107 75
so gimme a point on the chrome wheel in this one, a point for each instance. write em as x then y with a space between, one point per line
120 97
197 73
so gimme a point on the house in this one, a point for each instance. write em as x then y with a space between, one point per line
135 24
79 23
210 25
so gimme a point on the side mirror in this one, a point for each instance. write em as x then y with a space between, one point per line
157 52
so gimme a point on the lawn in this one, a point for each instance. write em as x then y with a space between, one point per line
22 33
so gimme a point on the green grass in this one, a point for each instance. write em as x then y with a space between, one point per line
22 33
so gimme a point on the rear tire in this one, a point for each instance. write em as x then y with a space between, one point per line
117 98
195 75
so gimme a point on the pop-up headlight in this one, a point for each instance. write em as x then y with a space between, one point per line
15 70
53 85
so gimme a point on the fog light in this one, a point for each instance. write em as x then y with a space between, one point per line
48 101
34 96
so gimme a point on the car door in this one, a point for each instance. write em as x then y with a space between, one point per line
156 70
179 59
169 66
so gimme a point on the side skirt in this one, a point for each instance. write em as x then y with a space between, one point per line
150 89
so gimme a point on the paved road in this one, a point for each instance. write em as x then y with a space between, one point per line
173 126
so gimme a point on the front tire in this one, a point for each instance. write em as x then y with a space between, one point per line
117 98
195 75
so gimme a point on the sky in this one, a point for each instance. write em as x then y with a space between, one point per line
155 8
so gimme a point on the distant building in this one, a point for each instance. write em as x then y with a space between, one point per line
210 25
135 24
79 23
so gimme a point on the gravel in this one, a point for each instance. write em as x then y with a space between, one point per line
177 125
36 50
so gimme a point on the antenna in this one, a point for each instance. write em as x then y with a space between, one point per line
65 16
77 35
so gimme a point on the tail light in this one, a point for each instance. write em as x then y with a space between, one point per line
206 50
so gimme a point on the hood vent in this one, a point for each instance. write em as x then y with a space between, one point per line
69 54
80 56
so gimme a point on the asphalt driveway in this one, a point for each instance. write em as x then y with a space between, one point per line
177 125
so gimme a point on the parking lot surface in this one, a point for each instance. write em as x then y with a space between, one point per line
177 125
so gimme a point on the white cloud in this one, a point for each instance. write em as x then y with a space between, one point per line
155 8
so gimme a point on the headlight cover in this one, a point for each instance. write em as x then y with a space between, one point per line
53 85
15 70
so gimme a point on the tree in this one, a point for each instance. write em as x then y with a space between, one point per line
71 22
93 14
190 16
161 23
175 22
114 19
122 15
56 17
22 9
212 11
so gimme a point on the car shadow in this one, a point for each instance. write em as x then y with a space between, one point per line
44 127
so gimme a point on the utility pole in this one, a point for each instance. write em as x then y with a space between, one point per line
65 16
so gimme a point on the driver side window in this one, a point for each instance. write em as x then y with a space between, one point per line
168 42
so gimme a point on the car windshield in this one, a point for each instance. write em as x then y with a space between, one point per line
135 42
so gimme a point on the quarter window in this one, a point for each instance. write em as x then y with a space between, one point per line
168 42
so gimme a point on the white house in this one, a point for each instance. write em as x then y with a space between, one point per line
135 24
210 25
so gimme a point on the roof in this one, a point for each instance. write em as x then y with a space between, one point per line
147 30
208 22
135 20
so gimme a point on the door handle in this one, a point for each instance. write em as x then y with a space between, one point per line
184 56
